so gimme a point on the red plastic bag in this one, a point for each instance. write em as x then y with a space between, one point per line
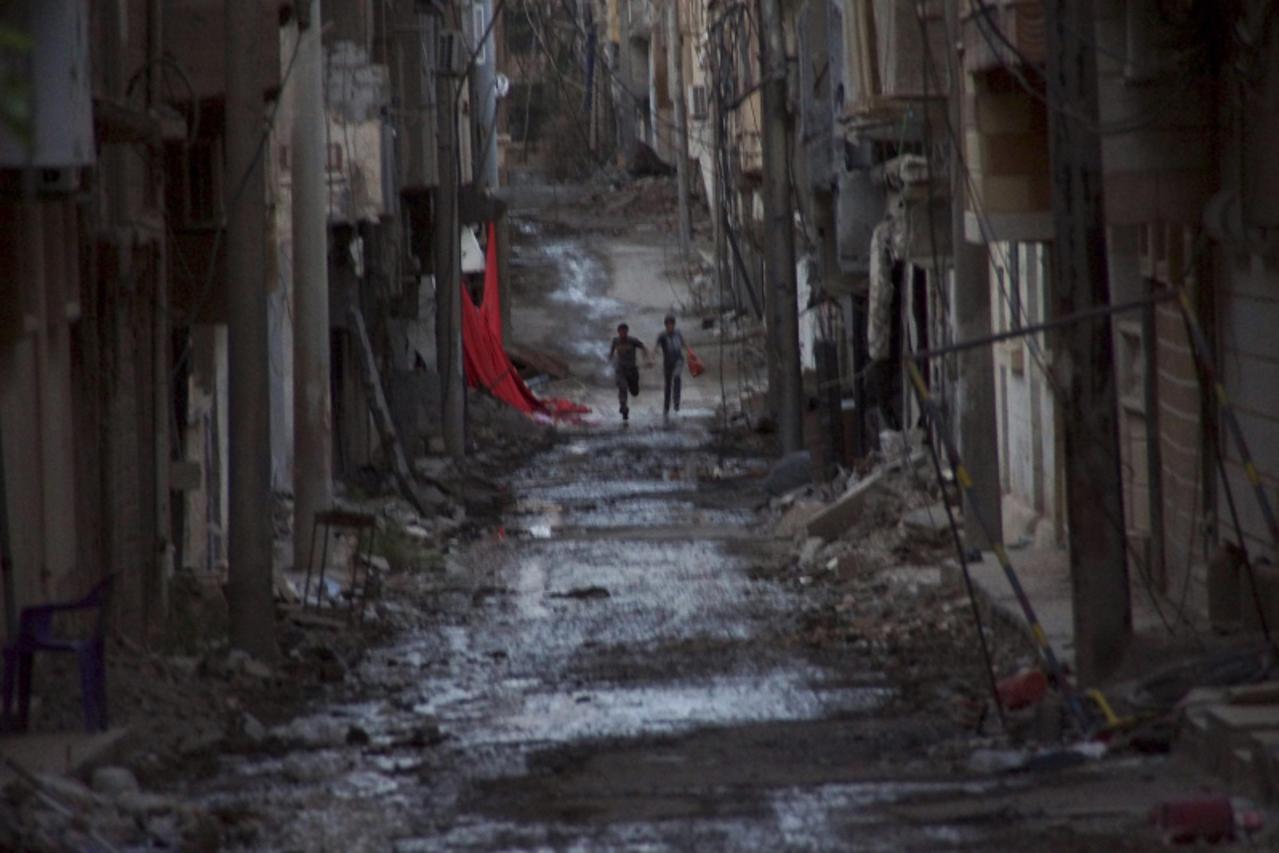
695 366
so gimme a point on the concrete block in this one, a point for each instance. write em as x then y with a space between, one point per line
1213 734
797 517
1265 749
61 753
930 520
1194 738
1244 773
1235 719
831 522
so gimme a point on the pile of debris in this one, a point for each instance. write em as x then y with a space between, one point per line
876 552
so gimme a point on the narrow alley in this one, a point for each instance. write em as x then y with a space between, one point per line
593 425
629 657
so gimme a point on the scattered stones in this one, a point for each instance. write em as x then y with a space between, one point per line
584 593
425 735
930 520
252 728
114 781
790 472
312 732
808 553
834 520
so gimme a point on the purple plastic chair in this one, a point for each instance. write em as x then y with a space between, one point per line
35 634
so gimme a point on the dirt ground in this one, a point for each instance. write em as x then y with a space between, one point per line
624 645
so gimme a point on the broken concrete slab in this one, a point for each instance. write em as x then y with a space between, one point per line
114 781
831 522
1237 742
63 752
930 520
798 516
914 576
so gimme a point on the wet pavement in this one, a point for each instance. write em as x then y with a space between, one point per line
613 672
617 665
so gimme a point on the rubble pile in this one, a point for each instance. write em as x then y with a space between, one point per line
882 586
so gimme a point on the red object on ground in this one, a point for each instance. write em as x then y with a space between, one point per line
1200 819
1023 689
487 364
695 366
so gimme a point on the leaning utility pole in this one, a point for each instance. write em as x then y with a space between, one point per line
785 381
312 403
249 581
448 269
978 437
675 62
485 76
1085 356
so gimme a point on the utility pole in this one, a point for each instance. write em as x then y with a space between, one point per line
675 62
1085 356
978 437
161 354
249 582
781 288
448 270
312 403
720 192
485 72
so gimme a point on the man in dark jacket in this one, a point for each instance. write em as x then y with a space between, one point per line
625 357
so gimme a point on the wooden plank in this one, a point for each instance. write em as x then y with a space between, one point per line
426 500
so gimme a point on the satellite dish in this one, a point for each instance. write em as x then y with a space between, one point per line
503 85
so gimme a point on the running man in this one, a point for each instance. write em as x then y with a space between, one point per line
624 355
671 343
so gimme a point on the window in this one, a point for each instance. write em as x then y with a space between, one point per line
697 102
202 183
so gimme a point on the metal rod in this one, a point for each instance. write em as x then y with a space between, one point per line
1098 313
1055 671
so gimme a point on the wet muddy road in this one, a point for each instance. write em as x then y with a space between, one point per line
617 671
619 666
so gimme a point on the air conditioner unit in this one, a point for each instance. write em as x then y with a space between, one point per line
698 105
450 53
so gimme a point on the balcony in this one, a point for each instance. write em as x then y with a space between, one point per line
194 32
638 18
1003 33
891 60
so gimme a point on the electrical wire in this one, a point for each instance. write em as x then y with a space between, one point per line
1143 570
989 30
202 300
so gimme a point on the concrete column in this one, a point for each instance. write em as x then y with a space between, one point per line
1084 353
781 286
978 435
448 276
312 403
485 77
249 580
675 57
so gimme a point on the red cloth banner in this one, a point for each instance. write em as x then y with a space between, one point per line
487 365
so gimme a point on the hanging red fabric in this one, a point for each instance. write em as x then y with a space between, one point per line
484 356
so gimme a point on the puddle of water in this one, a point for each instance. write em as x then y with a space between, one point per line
559 715
365 783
